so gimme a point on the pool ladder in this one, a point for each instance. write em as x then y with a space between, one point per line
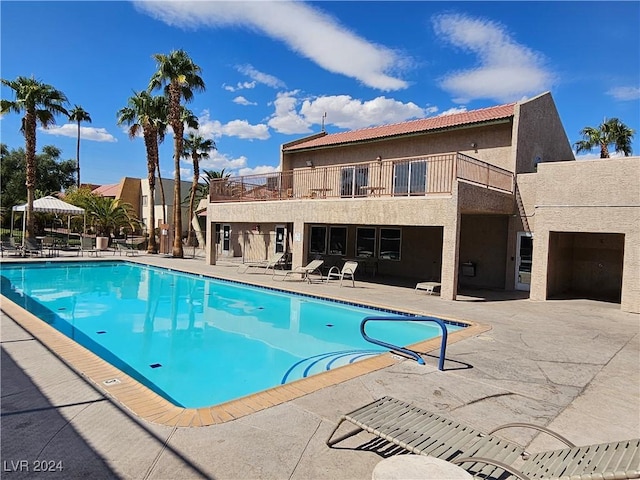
406 351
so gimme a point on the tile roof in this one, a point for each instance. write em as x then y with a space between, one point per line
108 190
415 126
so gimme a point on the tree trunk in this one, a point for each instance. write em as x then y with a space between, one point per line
192 197
30 160
78 156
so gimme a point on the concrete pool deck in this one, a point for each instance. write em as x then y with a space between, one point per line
571 365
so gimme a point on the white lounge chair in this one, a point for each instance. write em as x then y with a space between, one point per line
313 266
348 271
275 260
429 287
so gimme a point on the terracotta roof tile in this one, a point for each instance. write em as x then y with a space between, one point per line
107 190
404 128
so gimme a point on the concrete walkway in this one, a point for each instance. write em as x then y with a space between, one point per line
571 365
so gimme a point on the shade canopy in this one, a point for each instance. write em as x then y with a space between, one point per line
51 205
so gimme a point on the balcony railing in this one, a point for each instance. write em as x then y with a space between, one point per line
400 177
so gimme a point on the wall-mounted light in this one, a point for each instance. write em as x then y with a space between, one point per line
309 163
379 158
474 145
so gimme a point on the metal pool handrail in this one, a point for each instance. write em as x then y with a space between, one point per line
411 353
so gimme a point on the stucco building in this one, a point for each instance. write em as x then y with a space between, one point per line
455 199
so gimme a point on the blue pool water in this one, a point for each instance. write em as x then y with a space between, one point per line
195 340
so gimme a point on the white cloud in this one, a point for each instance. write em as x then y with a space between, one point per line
286 119
258 170
240 100
86 133
236 128
625 93
453 111
346 112
507 71
304 29
260 77
239 86
342 111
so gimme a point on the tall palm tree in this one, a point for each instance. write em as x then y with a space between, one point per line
146 113
40 103
609 132
78 114
180 77
195 147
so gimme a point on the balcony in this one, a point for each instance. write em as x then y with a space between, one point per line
400 177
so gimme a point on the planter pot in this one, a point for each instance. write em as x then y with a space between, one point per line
102 243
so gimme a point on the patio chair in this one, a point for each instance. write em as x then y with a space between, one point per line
32 246
313 266
86 245
348 271
10 246
128 250
275 260
486 455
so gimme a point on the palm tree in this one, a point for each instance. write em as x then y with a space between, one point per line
180 77
107 214
40 103
195 147
609 132
79 114
146 113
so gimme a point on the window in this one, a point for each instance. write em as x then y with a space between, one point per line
318 240
353 178
410 178
145 200
338 241
390 239
365 242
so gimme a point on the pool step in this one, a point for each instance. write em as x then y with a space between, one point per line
325 361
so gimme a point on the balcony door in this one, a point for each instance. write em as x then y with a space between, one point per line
410 178
352 181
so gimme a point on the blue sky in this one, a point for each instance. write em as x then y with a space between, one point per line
273 69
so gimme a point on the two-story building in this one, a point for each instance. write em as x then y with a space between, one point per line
436 199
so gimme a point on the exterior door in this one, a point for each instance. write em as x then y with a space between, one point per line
281 232
523 261
226 238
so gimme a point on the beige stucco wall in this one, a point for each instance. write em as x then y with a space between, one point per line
483 242
494 146
595 196
541 136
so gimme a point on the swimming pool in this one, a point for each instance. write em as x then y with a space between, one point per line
195 340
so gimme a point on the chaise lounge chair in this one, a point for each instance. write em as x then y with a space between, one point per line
313 266
32 247
485 455
86 246
128 250
275 260
348 270
10 246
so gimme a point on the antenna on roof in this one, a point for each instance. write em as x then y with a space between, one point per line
323 117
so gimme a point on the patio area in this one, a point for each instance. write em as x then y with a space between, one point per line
570 365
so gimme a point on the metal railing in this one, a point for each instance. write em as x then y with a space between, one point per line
400 177
406 351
